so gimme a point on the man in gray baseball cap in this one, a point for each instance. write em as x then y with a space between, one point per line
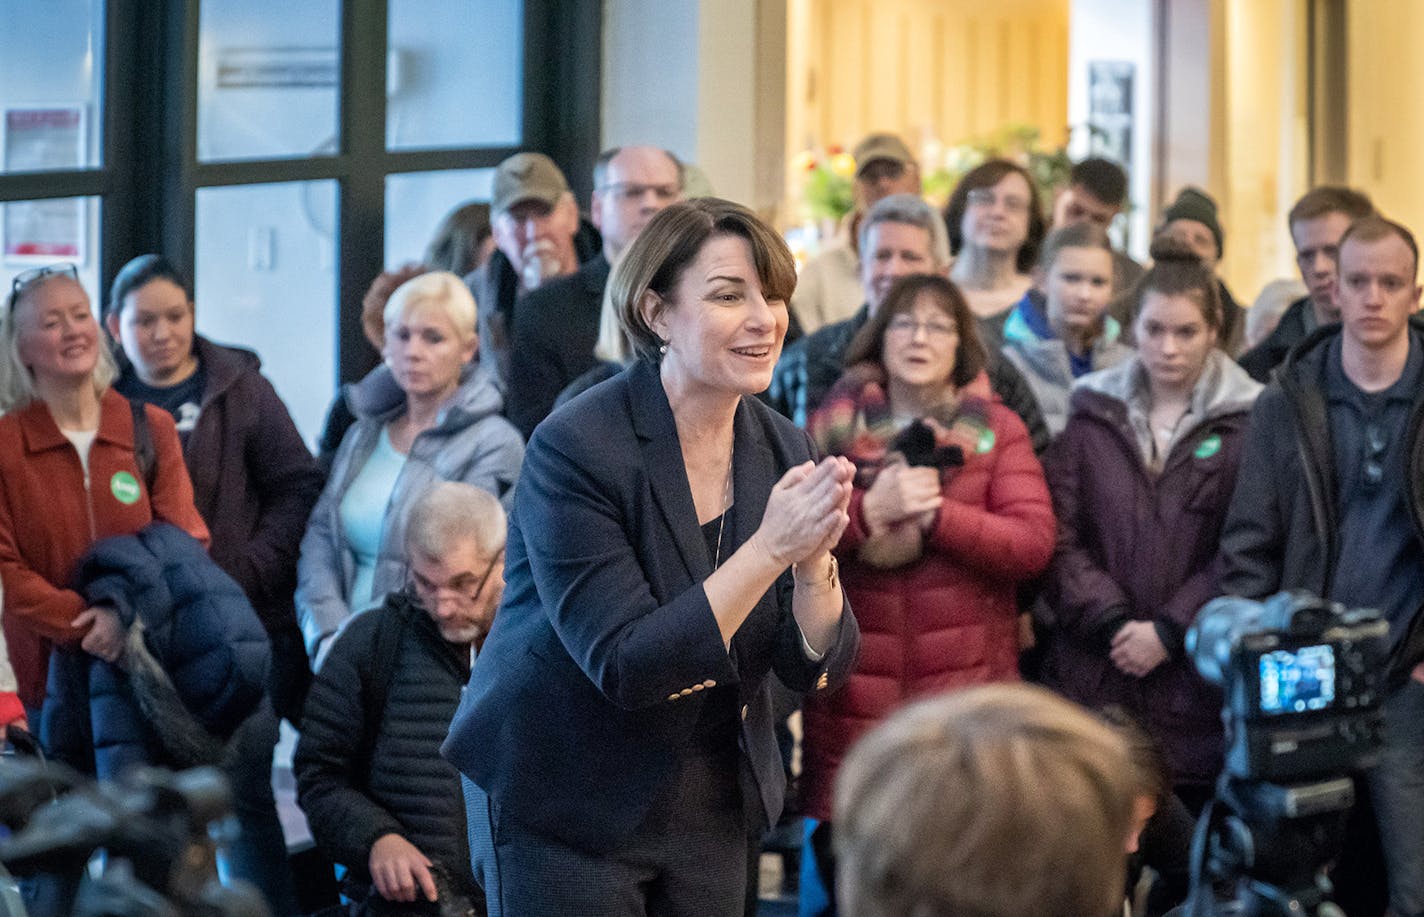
534 218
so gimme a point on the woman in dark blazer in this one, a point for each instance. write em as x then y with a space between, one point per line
669 549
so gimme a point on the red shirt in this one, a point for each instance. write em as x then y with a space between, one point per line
50 516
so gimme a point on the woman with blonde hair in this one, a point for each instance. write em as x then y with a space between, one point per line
428 413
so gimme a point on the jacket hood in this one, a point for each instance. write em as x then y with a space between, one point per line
1047 353
1224 387
223 365
1303 363
1016 327
378 397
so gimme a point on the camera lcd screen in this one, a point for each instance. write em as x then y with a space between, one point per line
1296 681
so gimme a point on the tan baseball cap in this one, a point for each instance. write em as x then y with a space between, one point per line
881 146
527 177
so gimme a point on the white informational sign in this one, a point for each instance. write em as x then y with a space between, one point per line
44 139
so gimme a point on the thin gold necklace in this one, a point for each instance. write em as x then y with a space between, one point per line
726 505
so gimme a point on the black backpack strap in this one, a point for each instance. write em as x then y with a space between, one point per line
145 455
384 648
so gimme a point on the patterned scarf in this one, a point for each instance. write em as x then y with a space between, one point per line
855 420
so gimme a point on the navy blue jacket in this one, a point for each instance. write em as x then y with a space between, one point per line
577 708
197 625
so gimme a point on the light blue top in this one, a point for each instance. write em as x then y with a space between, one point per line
363 514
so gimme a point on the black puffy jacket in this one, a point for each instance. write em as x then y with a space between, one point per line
354 788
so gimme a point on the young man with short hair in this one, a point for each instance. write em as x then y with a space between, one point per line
1327 500
1316 222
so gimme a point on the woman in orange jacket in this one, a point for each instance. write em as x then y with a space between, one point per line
74 469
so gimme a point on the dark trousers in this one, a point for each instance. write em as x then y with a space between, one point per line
688 858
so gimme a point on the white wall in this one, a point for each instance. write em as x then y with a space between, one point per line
685 75
650 74
1118 30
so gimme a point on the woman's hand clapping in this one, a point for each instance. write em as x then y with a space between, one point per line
806 512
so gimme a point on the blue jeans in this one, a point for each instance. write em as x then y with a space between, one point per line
1397 789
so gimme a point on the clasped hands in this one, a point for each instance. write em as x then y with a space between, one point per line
1136 649
901 493
807 512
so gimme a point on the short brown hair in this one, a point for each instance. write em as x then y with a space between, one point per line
1317 202
1178 271
987 175
1374 228
972 803
672 240
1074 235
869 342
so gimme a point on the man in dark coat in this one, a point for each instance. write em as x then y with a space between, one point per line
1316 223
901 235
377 794
1327 499
538 236
555 327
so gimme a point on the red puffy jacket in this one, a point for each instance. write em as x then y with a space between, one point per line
948 619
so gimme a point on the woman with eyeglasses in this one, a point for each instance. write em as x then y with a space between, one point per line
427 414
995 222
1142 476
949 514
70 474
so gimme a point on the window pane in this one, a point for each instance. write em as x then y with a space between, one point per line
454 73
269 72
266 280
51 70
38 233
417 203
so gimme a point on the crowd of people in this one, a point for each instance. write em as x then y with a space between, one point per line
625 490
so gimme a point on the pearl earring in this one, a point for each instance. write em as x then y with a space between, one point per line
662 349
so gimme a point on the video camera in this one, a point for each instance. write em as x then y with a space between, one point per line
1303 680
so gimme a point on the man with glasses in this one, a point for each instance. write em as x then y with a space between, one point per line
1327 500
379 798
828 290
1316 223
556 326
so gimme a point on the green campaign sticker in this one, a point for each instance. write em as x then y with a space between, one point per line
124 487
1208 447
986 441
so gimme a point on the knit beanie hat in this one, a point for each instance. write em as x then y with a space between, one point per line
1195 204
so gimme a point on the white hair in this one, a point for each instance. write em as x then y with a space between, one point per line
441 290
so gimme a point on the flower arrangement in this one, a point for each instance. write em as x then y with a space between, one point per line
827 185
944 167
828 176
